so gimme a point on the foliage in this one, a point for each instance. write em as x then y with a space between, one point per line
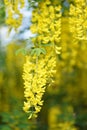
2 12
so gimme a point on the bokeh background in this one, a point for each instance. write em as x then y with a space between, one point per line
65 102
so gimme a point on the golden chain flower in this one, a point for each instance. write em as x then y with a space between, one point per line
14 17
38 71
78 19
46 23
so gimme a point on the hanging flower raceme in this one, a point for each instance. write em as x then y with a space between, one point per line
14 17
38 71
78 19
41 66
46 23
78 28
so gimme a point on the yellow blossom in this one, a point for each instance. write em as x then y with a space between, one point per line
78 16
36 75
13 15
46 22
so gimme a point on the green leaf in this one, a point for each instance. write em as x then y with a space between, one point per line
5 117
22 126
43 51
21 50
38 51
5 127
32 51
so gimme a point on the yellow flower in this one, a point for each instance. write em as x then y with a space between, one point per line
47 2
36 75
78 16
39 70
33 28
26 106
13 17
47 21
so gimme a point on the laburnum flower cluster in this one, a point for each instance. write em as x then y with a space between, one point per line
78 19
14 16
39 70
46 23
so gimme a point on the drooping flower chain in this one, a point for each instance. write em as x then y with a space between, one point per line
78 19
39 70
14 17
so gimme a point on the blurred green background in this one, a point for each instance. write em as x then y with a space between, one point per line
65 102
